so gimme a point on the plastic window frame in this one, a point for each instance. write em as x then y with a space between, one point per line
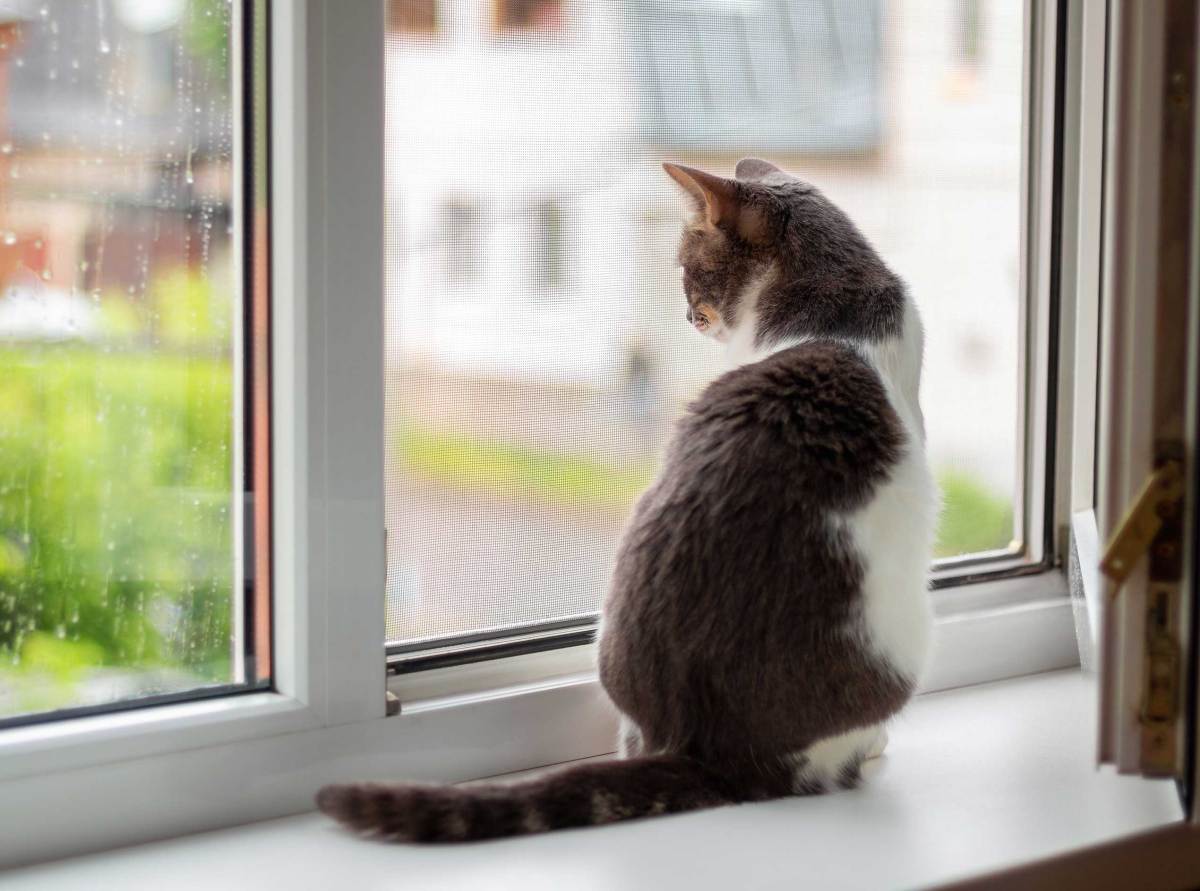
202 765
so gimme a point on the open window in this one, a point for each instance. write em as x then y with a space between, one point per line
426 440
520 430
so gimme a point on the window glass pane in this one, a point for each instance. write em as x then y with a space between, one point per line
118 333
524 418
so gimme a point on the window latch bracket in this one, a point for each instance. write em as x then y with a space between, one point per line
1158 500
1153 527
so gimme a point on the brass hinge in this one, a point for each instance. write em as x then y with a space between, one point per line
1160 685
1153 525
1160 497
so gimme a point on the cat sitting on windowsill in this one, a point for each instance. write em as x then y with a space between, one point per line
768 611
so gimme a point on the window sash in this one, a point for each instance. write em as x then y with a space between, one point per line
327 429
251 441
1148 409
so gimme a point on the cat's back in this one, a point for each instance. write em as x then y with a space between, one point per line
750 543
816 417
764 468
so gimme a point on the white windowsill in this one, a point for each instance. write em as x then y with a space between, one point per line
974 779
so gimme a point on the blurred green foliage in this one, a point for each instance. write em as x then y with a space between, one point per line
116 527
973 518
179 311
206 26
189 312
463 461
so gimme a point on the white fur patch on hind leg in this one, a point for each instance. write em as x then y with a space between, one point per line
834 763
629 739
880 743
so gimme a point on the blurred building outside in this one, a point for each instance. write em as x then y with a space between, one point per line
533 235
113 156
533 295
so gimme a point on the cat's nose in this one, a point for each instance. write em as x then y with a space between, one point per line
688 315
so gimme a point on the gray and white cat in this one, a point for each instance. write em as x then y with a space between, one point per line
768 610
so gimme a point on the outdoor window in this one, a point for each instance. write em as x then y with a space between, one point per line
519 433
527 15
459 414
547 246
129 451
418 17
460 241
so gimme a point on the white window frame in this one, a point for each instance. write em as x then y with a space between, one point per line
132 776
1082 279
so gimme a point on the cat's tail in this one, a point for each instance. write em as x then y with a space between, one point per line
583 795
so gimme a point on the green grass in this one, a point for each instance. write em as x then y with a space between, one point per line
462 461
973 519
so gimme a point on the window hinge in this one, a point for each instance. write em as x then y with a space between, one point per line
1159 498
1160 685
1154 526
393 704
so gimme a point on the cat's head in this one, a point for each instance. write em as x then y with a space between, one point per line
768 250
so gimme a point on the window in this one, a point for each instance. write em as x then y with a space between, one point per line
128 454
520 432
547 258
413 17
517 428
460 238
792 77
527 15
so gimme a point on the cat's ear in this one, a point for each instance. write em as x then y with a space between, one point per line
714 195
752 169
719 200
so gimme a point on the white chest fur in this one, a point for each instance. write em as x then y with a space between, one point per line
893 533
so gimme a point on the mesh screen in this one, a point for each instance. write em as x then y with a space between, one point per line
536 342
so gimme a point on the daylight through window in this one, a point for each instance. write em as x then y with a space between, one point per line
523 422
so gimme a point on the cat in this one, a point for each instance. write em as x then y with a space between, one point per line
768 610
